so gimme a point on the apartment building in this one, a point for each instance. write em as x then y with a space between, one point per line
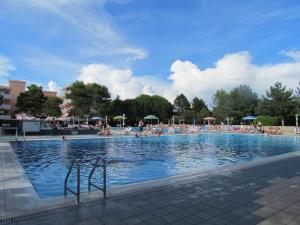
9 95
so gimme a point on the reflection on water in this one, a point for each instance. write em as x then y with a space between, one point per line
138 159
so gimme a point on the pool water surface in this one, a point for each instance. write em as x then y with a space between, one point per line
140 159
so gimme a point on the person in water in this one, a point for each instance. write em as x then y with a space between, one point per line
141 125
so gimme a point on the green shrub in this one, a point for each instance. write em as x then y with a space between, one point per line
268 120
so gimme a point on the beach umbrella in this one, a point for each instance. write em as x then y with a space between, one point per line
209 118
249 118
97 118
119 117
151 117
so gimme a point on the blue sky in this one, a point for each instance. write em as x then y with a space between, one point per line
153 46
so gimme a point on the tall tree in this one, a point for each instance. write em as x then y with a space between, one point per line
116 107
161 107
181 103
297 98
31 101
129 108
88 99
221 104
199 110
198 104
278 101
155 104
51 106
144 105
243 101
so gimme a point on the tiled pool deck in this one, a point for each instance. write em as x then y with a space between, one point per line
261 192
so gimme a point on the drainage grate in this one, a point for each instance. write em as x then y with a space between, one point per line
45 212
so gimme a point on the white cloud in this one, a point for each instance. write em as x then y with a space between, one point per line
122 82
186 77
231 70
95 27
5 66
119 81
52 86
294 54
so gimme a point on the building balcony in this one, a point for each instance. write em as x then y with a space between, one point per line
5 107
5 96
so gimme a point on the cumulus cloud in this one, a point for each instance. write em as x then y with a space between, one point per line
186 77
52 86
5 66
231 70
294 54
119 81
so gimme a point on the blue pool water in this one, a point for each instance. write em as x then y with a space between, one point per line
140 159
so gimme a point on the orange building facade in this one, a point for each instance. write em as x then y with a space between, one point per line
9 95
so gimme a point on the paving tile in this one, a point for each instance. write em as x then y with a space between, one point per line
269 222
283 217
266 194
265 212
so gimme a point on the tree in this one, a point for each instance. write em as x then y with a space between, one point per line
88 99
242 101
297 99
181 104
202 114
129 108
144 105
221 104
161 107
199 110
198 104
51 106
115 108
155 104
278 101
31 101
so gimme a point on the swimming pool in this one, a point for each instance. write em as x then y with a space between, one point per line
140 159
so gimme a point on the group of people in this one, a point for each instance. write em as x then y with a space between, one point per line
104 128
254 129
274 131
159 130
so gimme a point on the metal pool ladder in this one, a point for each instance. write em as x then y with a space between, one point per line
66 188
95 165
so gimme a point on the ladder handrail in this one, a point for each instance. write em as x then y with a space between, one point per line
95 165
66 188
